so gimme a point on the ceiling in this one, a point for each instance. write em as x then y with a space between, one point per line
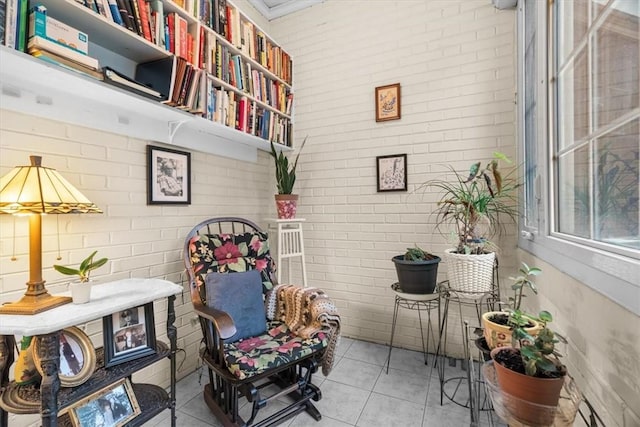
272 9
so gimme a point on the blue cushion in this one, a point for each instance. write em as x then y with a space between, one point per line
239 294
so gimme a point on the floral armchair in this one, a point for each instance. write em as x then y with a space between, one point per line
231 273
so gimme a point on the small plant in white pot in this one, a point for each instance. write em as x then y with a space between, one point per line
81 289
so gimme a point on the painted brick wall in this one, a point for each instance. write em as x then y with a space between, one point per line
139 240
455 63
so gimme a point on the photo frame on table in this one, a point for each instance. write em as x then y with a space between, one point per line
77 357
168 176
392 172
114 405
128 335
388 106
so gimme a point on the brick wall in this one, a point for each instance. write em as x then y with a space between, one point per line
139 240
455 63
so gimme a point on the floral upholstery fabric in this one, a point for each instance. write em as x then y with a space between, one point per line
226 253
276 347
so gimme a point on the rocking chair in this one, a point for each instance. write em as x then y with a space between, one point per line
231 274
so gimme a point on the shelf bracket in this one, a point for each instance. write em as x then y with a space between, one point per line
174 127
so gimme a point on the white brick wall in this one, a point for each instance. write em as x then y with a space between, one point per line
139 240
455 63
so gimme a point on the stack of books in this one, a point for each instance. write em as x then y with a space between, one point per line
56 42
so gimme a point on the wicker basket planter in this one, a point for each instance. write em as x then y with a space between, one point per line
470 273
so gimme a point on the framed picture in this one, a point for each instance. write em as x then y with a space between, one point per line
128 335
388 102
392 172
114 406
169 176
77 357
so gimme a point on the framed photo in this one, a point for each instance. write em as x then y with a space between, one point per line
392 172
169 176
114 406
388 102
77 357
128 335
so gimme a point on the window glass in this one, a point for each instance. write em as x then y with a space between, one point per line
597 115
531 199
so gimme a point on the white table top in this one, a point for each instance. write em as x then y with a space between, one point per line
106 298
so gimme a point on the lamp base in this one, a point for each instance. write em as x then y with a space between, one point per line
30 304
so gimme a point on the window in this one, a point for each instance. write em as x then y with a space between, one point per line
580 126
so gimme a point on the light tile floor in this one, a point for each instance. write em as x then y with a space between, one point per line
358 392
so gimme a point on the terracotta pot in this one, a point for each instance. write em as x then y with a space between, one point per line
80 292
534 399
286 204
498 335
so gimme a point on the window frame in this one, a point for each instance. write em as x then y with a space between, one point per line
612 274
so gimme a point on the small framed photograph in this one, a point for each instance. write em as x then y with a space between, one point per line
169 176
128 335
113 406
392 172
388 102
77 357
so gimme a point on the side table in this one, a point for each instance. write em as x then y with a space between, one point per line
290 245
417 302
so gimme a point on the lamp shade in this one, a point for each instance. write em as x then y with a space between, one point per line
37 189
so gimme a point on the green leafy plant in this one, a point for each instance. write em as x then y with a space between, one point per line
417 254
521 282
285 173
85 268
474 204
538 353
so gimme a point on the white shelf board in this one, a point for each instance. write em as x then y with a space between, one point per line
31 86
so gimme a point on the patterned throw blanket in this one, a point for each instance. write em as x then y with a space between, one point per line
306 311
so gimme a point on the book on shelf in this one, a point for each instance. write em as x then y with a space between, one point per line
21 25
127 15
39 43
115 12
10 23
157 13
63 62
117 79
52 30
158 75
3 20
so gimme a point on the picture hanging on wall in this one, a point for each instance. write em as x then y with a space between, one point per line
392 172
169 176
388 102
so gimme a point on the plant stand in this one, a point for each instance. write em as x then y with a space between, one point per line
290 245
418 302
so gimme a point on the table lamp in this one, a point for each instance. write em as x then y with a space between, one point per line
36 190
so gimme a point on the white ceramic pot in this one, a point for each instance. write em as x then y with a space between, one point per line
80 292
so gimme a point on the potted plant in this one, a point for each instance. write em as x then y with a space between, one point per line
498 325
474 207
81 289
417 271
286 202
531 372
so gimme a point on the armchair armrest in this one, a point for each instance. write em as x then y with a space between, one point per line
221 320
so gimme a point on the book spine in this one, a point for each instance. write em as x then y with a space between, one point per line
21 29
137 22
10 23
125 13
3 21
115 12
158 8
141 8
183 37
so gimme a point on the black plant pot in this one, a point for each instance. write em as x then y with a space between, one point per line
481 344
417 277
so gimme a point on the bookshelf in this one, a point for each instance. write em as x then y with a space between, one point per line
32 86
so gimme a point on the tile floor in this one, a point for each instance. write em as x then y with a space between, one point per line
358 392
